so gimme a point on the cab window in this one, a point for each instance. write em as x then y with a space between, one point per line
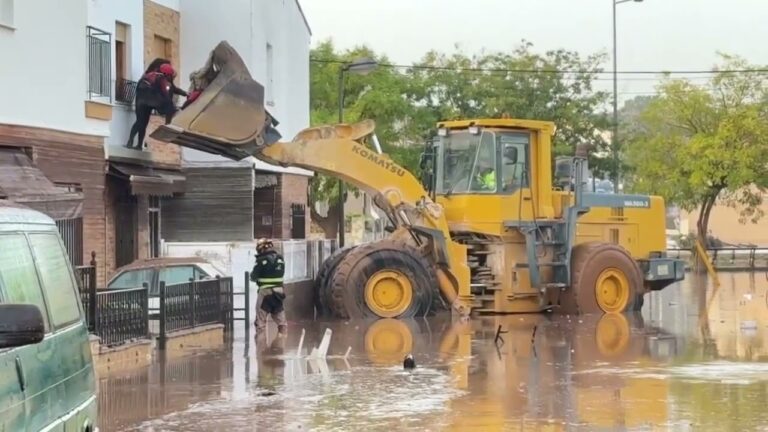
58 281
484 170
18 278
514 148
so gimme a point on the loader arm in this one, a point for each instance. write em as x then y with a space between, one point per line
229 119
337 151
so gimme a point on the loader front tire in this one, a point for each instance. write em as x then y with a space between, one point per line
323 280
385 279
604 279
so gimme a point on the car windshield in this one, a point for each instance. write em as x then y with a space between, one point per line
132 279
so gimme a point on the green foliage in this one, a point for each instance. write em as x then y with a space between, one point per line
406 104
697 145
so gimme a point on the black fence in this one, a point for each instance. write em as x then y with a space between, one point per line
71 231
125 91
122 315
86 282
194 304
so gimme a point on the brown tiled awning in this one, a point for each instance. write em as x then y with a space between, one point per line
24 183
149 181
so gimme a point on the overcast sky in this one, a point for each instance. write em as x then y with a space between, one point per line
652 35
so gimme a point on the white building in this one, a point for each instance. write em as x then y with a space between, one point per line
69 74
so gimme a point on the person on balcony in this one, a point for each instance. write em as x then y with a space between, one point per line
154 91
268 274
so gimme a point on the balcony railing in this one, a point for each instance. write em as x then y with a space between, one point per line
125 91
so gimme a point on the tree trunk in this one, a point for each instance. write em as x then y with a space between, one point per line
702 228
329 223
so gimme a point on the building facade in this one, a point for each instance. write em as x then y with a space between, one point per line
67 110
256 199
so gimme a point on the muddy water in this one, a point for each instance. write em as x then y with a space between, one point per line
694 359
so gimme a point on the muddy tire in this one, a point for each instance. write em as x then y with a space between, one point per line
604 279
322 281
384 279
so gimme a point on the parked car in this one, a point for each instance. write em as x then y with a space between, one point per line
47 378
169 270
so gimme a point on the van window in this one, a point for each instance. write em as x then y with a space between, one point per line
56 275
18 278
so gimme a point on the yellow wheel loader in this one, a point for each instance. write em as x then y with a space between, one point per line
484 231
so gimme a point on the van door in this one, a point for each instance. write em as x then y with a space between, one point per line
24 405
69 370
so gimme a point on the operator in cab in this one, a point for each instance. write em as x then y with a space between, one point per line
268 274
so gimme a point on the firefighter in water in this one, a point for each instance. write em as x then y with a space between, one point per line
268 275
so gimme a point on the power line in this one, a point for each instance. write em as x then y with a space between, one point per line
551 71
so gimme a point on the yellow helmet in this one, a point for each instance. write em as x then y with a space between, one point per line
263 243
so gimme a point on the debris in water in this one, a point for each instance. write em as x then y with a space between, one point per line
408 362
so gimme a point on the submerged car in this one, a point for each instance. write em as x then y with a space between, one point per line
169 270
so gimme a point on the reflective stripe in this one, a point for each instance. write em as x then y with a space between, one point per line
269 280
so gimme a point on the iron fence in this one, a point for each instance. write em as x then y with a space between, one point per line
728 258
193 304
125 91
86 284
122 315
71 231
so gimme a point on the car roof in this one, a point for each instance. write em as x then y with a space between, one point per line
162 262
14 213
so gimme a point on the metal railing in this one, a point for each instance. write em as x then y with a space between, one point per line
728 258
71 231
99 45
86 284
121 315
125 91
193 304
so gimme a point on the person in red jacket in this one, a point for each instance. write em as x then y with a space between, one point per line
154 91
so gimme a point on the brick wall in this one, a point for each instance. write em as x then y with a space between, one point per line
162 152
160 21
292 189
74 159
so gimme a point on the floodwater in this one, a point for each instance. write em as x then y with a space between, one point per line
695 359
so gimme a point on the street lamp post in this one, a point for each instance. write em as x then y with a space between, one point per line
361 67
614 136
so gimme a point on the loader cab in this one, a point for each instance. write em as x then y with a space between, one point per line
488 171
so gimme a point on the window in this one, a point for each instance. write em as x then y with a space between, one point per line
57 278
176 274
6 12
154 227
18 278
132 279
269 91
514 158
99 63
123 85
483 177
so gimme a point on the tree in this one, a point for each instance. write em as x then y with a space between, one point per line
377 95
554 86
700 145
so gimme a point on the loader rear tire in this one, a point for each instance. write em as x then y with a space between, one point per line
323 279
604 279
384 279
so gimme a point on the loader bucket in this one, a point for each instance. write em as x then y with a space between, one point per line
228 118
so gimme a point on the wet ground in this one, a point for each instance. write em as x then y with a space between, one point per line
696 358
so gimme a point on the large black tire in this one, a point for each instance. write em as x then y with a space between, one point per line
588 262
348 283
322 280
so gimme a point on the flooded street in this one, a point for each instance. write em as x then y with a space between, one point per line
694 359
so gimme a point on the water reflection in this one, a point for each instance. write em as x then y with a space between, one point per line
690 361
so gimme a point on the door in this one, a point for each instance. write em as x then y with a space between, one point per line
126 216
